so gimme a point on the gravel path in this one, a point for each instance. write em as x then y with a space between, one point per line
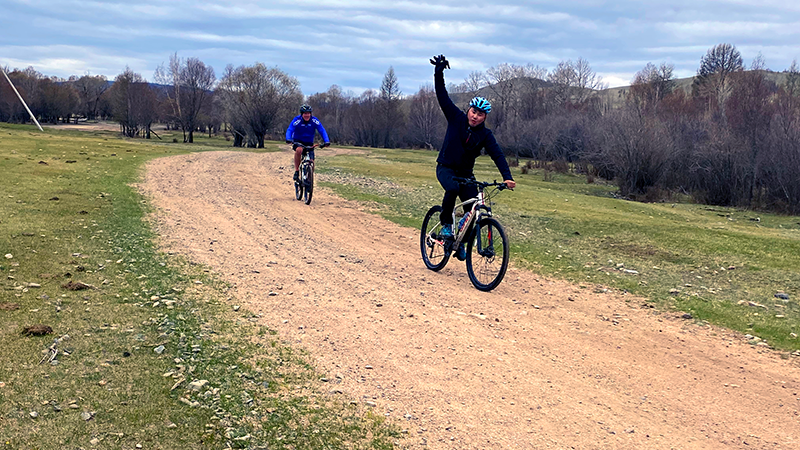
537 363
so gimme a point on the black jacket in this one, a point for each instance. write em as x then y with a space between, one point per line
462 143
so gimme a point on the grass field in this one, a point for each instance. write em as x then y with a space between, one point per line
722 265
145 348
152 353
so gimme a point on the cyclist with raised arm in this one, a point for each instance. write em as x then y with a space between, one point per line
301 132
466 136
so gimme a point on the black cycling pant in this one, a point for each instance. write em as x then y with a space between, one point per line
311 152
453 189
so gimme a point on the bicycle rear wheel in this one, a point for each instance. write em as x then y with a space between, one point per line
435 251
308 183
487 254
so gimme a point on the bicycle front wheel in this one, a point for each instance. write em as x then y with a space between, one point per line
308 183
435 252
487 254
298 189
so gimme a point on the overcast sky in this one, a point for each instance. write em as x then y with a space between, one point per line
352 43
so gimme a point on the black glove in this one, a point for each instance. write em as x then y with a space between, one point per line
440 62
326 144
288 141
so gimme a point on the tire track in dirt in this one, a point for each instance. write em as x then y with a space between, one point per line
537 363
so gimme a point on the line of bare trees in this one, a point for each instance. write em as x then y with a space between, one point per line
128 100
731 137
47 97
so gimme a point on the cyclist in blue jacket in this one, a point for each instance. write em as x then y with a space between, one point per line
301 132
465 137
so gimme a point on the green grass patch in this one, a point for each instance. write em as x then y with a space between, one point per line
151 352
723 265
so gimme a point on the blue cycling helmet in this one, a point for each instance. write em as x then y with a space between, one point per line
305 109
481 104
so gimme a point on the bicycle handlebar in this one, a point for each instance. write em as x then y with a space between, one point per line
309 147
481 184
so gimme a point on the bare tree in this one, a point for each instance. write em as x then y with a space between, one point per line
90 90
504 81
534 75
144 107
531 102
389 108
458 88
651 85
57 100
6 94
782 153
212 116
256 98
27 83
749 111
635 148
190 81
563 78
474 82
574 83
587 81
330 108
788 99
793 79
133 103
361 124
426 121
714 77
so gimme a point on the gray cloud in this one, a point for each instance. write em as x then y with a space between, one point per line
353 42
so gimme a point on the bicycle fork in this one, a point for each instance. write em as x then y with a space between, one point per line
487 252
485 247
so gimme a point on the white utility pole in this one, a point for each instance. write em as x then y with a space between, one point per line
20 99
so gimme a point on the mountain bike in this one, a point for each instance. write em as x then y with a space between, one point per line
304 186
485 239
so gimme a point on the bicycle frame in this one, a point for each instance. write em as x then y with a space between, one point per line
475 213
480 209
306 161
305 184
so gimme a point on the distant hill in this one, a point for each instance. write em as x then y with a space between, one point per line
611 97
615 97
524 84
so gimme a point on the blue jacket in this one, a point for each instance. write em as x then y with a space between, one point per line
462 143
303 132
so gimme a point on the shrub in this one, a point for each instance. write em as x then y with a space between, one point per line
560 166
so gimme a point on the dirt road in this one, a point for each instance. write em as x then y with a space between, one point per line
537 363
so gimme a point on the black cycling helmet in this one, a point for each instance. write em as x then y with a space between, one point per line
305 109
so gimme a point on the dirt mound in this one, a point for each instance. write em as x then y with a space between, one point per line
537 363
